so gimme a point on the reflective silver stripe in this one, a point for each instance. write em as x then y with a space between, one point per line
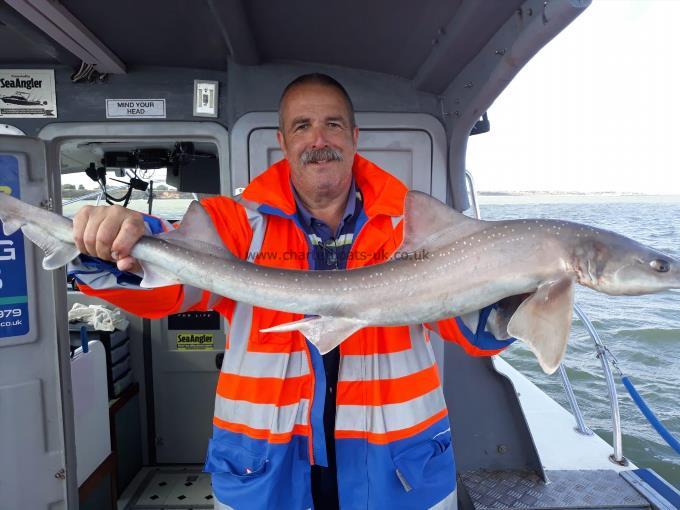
213 300
450 502
396 220
258 224
265 364
389 417
239 331
391 365
277 419
192 295
241 320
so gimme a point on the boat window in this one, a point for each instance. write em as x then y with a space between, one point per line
159 178
78 190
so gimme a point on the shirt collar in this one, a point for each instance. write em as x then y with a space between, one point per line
381 193
307 217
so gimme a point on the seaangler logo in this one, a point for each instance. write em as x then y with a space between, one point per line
195 341
18 83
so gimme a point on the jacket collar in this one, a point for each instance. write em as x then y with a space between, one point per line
382 193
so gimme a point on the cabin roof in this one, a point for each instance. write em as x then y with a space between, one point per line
395 37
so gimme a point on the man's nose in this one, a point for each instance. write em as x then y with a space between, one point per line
319 138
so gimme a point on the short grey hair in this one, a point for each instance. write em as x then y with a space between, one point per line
319 79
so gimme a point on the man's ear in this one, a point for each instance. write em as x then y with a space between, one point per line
282 142
355 137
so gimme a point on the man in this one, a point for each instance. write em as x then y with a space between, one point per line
364 426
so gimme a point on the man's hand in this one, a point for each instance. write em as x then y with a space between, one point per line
109 232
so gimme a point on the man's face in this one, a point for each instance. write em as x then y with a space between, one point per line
318 140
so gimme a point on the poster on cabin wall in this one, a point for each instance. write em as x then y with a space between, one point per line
27 93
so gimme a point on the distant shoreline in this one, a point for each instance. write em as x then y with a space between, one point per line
538 197
569 193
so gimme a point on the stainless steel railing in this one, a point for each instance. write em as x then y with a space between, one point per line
606 359
581 426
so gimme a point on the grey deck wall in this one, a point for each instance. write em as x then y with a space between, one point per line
243 89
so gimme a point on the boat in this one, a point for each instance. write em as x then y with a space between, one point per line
194 89
21 99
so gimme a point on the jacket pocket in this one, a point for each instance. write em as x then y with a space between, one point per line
424 459
234 460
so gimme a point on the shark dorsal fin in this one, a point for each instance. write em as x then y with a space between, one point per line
197 231
429 224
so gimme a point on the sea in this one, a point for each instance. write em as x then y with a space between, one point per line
642 332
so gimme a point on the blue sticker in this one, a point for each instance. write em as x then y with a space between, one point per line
13 293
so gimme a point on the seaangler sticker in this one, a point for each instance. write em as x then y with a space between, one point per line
27 93
195 341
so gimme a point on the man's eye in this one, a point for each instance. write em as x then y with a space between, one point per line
334 125
301 127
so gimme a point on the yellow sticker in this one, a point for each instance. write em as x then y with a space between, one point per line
195 341
6 189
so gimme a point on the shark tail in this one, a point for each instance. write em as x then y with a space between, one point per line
15 215
57 253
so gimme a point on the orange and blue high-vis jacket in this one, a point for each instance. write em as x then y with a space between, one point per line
392 433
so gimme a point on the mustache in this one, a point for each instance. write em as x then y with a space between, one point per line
317 155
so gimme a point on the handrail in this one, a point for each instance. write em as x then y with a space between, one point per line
581 426
603 354
473 193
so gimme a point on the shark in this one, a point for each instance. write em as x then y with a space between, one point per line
448 265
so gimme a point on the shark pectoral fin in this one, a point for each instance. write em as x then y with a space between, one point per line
153 276
543 321
499 318
57 253
324 332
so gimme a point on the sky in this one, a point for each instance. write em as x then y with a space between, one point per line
597 109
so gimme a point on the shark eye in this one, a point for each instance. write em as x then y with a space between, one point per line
660 265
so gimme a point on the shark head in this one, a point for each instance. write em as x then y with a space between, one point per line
617 265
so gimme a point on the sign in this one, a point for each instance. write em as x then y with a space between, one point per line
135 108
27 93
195 341
13 295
